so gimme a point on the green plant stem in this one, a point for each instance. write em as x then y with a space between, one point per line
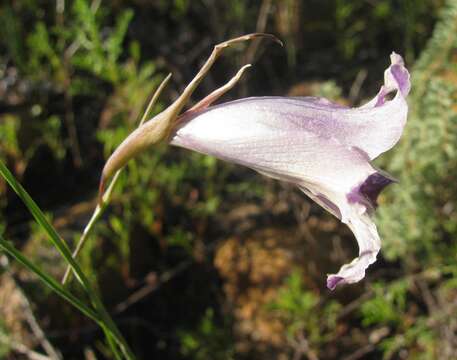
112 344
49 281
100 209
55 286
57 241
111 330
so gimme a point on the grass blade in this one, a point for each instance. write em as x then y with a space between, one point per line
54 237
48 280
105 321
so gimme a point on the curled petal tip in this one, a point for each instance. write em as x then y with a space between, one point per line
396 59
397 76
333 281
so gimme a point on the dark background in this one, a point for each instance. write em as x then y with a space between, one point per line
199 259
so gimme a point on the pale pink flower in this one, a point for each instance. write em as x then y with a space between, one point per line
324 148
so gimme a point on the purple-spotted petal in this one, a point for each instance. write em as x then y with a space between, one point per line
354 209
369 243
323 148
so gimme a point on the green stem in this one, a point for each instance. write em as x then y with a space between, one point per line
100 209
47 280
112 343
62 247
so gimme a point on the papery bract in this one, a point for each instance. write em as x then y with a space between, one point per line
323 148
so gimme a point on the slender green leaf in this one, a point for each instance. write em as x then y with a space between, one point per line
107 324
48 280
54 237
34 209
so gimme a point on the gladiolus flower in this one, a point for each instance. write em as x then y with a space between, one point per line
323 148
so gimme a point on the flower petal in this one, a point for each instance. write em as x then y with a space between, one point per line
323 148
380 119
354 210
337 177
369 245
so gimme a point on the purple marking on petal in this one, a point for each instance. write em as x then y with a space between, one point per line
381 97
396 77
373 186
370 189
401 75
333 281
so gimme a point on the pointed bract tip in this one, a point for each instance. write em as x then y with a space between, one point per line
264 35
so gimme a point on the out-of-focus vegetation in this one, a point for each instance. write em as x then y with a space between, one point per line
198 259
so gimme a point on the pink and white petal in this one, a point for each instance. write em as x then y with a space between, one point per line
323 148
377 126
280 151
354 210
357 216
337 177
373 128
369 242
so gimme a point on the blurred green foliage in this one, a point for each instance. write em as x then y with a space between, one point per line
207 341
305 318
418 220
387 304
5 348
411 26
